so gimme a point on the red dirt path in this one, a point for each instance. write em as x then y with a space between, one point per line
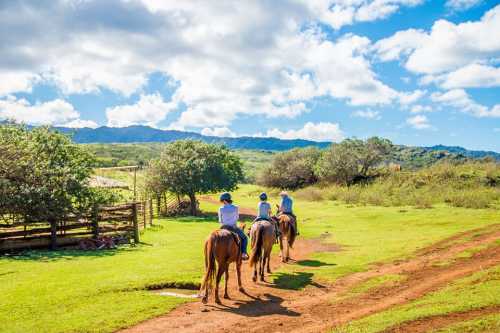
268 308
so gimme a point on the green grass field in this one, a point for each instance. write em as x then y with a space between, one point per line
75 291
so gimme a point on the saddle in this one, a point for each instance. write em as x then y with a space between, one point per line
233 232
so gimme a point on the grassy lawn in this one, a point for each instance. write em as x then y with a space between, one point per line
478 290
74 291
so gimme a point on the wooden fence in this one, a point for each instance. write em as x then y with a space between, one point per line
124 219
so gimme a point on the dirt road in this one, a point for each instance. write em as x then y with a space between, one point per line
269 308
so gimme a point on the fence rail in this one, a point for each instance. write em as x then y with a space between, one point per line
123 220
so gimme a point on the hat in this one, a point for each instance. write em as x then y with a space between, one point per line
226 196
283 193
263 196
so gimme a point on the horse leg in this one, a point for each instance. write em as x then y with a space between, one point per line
281 250
238 274
254 277
262 267
268 256
226 279
220 271
287 250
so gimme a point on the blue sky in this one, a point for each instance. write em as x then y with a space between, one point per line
414 71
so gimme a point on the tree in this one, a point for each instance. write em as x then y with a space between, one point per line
189 167
292 169
43 175
352 159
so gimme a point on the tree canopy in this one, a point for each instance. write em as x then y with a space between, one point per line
291 169
189 167
43 175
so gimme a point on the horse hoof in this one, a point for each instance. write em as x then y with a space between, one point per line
227 296
254 279
204 300
269 271
242 290
218 301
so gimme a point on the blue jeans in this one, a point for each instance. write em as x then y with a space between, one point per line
241 234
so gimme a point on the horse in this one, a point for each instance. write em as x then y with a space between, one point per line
263 237
287 232
222 246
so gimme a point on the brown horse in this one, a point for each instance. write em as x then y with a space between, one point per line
287 236
222 246
263 237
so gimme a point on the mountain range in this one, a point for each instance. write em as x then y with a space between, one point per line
142 134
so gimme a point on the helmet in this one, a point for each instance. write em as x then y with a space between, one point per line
226 196
263 196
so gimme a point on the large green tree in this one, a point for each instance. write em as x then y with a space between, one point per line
43 175
189 167
292 169
352 159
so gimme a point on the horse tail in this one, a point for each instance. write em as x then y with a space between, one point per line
257 250
210 270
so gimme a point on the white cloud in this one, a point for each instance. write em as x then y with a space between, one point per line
421 108
459 5
338 13
149 110
447 46
55 112
322 131
411 97
368 114
227 58
218 131
470 76
419 122
79 123
460 100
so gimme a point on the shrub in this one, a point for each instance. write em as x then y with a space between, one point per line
292 169
310 194
43 175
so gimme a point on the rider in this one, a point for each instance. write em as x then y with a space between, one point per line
286 208
264 212
228 217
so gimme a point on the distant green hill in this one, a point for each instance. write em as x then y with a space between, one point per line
140 134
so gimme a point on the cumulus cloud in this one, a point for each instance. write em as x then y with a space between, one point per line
56 112
419 122
218 131
421 108
79 123
338 13
459 99
368 114
322 131
470 76
228 58
148 110
447 46
459 5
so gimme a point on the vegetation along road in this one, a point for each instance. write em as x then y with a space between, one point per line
451 252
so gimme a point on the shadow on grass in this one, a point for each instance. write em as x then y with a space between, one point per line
260 307
295 281
68 254
313 263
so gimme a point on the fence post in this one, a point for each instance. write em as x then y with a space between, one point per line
150 211
53 234
95 221
144 217
135 223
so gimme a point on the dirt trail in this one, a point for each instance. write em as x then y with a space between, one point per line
268 308
441 321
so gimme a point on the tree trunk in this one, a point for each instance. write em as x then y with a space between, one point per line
53 234
192 199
